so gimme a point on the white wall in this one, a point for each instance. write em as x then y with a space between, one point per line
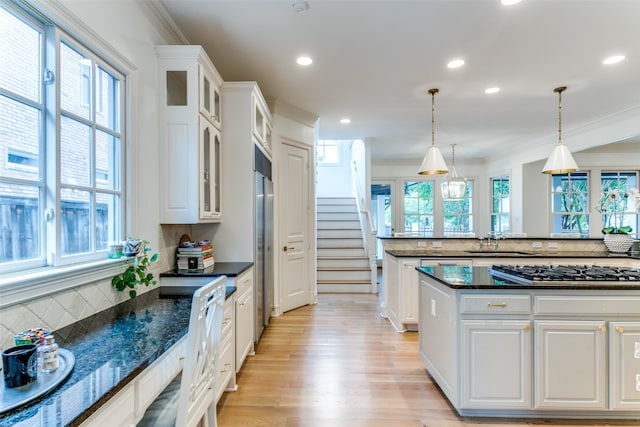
334 180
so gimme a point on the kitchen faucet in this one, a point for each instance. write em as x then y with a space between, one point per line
490 240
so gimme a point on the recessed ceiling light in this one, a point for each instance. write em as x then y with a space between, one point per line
300 6
304 60
613 59
492 90
456 63
345 121
510 2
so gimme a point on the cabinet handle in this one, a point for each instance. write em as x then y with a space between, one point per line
619 329
602 329
495 304
527 328
241 304
227 320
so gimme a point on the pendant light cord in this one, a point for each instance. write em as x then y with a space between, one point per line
433 112
560 90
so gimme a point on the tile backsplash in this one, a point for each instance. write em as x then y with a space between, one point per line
61 309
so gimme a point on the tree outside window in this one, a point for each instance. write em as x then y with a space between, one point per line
500 202
570 204
418 207
458 214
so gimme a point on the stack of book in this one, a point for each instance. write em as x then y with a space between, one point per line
195 259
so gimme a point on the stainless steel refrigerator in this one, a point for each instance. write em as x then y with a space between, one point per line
263 264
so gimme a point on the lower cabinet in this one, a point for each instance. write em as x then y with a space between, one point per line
624 360
533 352
245 313
226 375
570 362
496 364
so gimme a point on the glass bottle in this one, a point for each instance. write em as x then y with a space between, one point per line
49 354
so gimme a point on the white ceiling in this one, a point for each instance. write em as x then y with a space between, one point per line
375 60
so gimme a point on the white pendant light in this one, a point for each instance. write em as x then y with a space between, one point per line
433 162
560 160
453 187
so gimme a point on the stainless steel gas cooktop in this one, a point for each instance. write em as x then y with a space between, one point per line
566 274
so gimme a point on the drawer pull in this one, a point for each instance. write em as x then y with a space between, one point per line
602 329
181 358
496 304
527 328
241 304
226 320
619 329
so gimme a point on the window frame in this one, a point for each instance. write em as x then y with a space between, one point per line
492 196
585 213
431 214
40 276
469 198
636 223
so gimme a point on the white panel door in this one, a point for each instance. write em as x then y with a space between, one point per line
294 221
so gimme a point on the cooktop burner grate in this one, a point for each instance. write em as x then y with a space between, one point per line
570 273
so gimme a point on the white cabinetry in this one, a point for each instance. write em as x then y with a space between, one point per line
400 281
496 364
624 359
238 109
226 375
533 352
570 361
244 317
190 141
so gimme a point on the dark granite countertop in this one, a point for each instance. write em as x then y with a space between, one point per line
229 269
111 348
505 254
467 277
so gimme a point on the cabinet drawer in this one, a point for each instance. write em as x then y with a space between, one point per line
118 411
495 304
227 319
587 305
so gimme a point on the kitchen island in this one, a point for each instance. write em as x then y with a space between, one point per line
501 348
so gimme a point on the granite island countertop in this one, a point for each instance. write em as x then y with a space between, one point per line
468 277
506 254
111 348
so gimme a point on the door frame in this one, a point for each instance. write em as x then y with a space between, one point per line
311 201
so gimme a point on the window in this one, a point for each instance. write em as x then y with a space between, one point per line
569 204
618 184
458 214
328 152
418 207
61 181
500 204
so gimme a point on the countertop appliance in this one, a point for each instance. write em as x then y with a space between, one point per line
567 274
263 255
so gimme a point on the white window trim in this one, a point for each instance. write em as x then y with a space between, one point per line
19 286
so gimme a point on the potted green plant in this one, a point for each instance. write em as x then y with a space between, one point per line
613 205
138 262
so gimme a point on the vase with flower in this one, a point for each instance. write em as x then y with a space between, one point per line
613 206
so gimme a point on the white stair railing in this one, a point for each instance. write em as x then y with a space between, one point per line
367 226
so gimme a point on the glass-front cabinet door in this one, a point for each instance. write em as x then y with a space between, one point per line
209 96
209 171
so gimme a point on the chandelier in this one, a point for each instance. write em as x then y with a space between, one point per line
453 187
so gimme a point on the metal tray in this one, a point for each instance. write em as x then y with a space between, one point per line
13 397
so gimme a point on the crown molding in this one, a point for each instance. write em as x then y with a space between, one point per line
161 19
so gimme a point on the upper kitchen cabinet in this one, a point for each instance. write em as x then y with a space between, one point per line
246 120
261 121
190 136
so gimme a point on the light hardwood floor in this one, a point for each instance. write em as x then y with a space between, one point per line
338 364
